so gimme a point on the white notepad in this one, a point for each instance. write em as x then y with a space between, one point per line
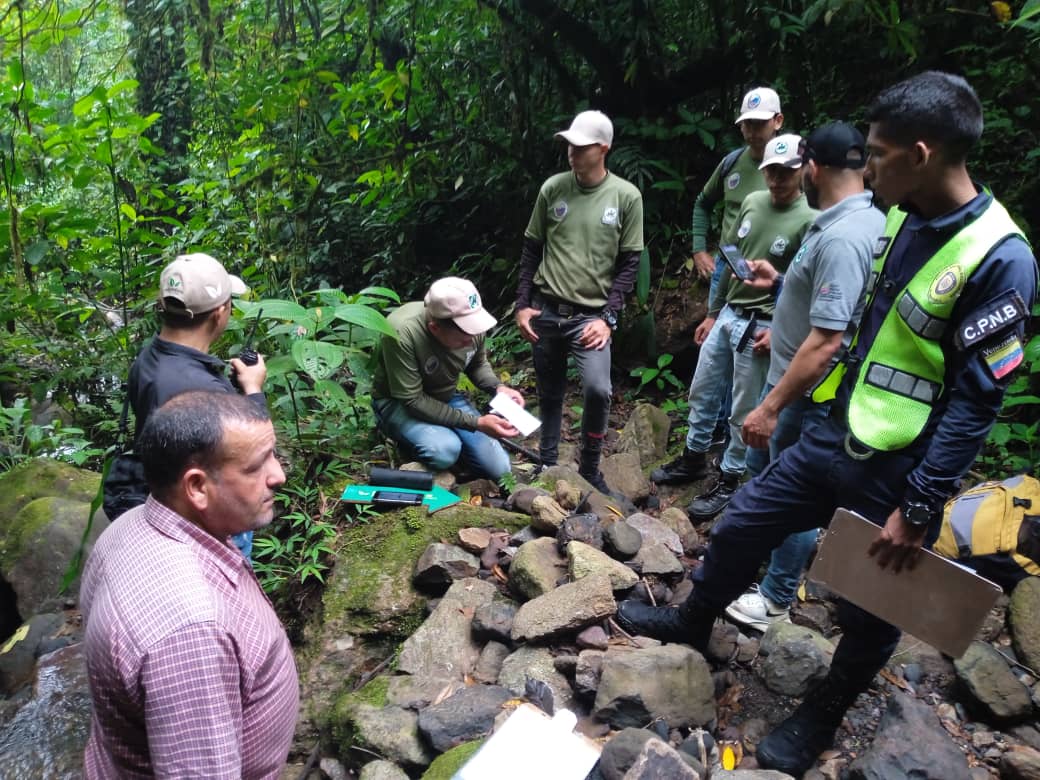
520 418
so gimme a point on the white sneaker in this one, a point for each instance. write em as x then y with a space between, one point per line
757 611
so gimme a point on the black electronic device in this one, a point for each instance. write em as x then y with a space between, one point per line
736 262
247 354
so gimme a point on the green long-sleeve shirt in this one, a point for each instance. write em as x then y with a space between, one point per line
419 372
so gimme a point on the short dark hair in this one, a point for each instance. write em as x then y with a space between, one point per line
173 318
188 432
931 106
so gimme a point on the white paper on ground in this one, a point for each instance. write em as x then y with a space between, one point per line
520 418
530 745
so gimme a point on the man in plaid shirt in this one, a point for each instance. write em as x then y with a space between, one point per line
191 673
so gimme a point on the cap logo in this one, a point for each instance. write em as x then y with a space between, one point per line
754 100
173 282
474 301
781 148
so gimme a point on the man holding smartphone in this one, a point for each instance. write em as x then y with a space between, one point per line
734 338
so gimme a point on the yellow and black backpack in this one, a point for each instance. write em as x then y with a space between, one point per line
994 527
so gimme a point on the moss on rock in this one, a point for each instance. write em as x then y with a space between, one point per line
447 764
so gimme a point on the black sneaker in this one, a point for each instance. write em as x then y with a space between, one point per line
688 467
708 505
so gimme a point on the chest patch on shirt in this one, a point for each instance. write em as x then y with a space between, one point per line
431 364
946 285
778 247
733 181
881 245
798 257
744 229
559 210
1003 358
610 214
992 319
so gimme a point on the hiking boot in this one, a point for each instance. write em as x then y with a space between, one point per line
686 623
794 745
756 610
706 506
688 467
597 481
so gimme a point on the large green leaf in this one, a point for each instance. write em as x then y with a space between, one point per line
332 393
366 317
318 358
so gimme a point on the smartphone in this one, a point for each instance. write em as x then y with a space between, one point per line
735 260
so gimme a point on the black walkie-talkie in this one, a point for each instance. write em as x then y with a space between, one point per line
247 354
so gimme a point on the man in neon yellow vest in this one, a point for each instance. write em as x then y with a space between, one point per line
954 281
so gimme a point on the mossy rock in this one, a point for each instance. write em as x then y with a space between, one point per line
447 764
340 718
35 479
370 590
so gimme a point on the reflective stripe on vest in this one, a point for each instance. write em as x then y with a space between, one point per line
902 373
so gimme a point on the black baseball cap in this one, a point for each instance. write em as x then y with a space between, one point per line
837 145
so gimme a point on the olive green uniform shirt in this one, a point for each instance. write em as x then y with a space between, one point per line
762 231
583 230
421 373
741 180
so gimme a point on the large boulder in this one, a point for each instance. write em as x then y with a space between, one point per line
1024 619
671 682
584 561
537 663
44 510
645 434
992 685
568 608
537 567
623 472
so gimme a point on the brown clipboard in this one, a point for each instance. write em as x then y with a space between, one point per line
939 601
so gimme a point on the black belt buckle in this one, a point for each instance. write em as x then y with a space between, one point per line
565 309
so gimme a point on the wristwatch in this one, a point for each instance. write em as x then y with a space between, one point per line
918 513
609 316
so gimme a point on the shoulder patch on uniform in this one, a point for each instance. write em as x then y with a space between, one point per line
431 364
733 181
946 285
881 245
559 210
745 228
991 319
1003 358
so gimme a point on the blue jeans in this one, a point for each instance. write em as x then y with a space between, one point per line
727 402
558 337
787 563
721 366
244 542
439 447
799 491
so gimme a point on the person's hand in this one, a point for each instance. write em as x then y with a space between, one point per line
523 321
703 330
764 274
758 427
899 543
496 427
760 346
704 262
513 395
595 335
250 378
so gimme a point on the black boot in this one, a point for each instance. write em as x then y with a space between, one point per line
591 451
706 506
687 623
688 467
794 745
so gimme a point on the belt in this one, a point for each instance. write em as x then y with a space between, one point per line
567 309
747 312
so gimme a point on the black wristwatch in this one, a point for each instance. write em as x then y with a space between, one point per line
609 316
918 513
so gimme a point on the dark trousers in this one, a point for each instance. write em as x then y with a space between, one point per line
557 337
798 491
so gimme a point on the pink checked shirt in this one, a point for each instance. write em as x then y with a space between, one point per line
190 670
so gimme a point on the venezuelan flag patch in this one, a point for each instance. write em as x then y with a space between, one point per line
1004 357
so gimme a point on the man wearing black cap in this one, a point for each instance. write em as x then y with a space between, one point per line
819 306
580 259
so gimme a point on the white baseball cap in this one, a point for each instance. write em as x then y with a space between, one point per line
759 103
457 299
195 284
589 127
783 150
